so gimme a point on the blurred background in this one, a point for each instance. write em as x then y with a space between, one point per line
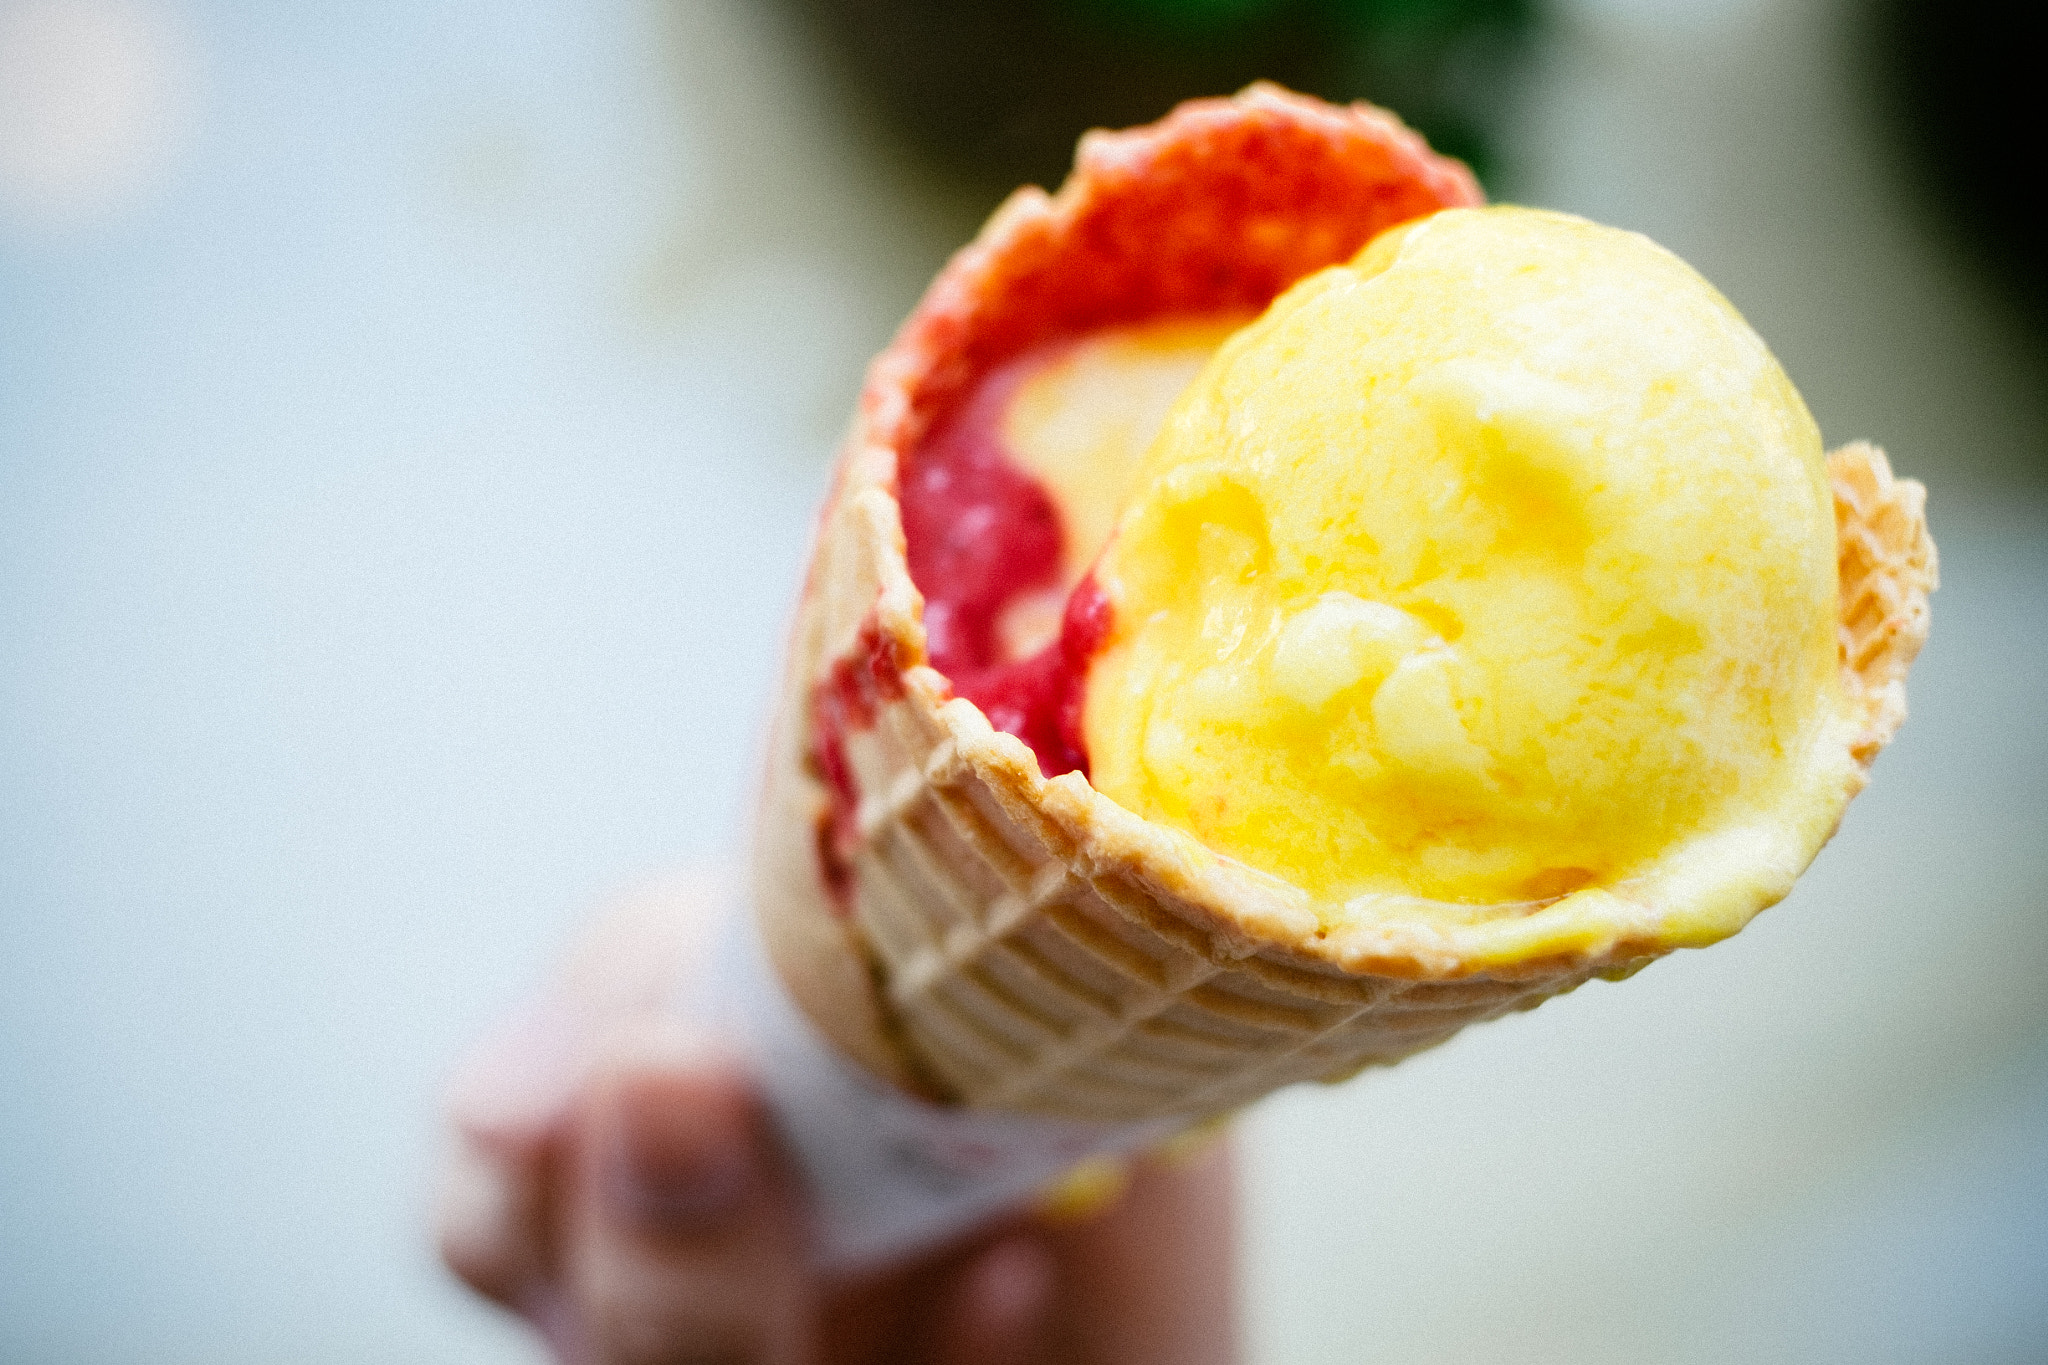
411 414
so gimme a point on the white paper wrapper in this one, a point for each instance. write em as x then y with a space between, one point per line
888 1174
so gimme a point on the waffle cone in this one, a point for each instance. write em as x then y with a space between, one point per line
975 932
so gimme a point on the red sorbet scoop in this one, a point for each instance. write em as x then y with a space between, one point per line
1213 210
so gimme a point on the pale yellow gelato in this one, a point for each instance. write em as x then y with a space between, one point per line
1494 566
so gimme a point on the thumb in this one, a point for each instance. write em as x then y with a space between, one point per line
996 1309
684 1239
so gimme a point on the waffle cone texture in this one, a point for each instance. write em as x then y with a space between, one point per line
971 931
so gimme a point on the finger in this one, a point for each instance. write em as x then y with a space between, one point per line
643 950
1154 1280
516 1085
996 1310
509 1099
491 1224
508 1104
683 1238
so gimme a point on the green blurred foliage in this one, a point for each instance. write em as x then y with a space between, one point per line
1958 82
1361 17
998 94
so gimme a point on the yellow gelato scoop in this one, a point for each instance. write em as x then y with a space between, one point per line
1494 566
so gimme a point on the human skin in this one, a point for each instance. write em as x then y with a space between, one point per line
612 1177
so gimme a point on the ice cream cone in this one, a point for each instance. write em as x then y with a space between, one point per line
970 930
